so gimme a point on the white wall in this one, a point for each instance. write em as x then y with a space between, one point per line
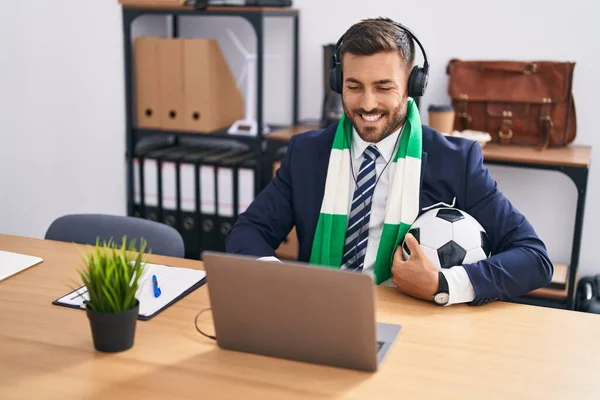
62 108
61 112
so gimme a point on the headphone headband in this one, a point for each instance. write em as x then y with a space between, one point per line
417 81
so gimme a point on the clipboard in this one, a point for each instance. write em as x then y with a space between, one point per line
174 283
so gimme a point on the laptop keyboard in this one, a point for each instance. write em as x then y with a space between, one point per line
379 345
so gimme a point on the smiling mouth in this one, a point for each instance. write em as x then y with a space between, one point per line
371 117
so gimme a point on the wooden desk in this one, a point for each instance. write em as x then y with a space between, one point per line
574 161
497 351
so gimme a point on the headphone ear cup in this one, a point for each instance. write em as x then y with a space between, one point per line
338 78
417 82
335 75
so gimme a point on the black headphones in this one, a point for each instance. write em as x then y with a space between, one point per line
417 81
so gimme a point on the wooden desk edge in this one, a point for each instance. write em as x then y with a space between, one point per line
491 152
209 9
285 134
581 159
561 276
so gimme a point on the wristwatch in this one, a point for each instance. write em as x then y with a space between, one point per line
442 296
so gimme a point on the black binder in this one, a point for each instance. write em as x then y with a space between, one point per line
155 211
171 212
235 162
207 224
190 214
143 148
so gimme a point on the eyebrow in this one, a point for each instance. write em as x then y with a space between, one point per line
379 82
352 80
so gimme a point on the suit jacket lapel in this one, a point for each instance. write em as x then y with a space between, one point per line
315 181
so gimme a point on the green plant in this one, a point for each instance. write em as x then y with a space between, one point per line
111 275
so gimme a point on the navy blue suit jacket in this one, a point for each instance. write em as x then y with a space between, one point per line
451 167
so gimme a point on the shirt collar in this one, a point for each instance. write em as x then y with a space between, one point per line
386 146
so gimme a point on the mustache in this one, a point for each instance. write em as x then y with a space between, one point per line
371 112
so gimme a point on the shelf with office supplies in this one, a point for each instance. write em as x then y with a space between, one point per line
185 166
221 136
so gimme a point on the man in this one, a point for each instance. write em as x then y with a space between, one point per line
353 188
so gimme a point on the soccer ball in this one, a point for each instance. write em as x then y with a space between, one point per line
449 237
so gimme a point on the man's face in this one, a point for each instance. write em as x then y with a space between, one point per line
374 93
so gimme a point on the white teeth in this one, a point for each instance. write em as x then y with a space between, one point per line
371 118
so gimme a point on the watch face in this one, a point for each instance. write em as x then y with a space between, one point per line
441 298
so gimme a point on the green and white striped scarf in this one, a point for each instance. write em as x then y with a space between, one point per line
402 202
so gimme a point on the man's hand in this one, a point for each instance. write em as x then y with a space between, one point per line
416 277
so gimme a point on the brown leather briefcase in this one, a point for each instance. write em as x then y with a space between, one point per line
516 102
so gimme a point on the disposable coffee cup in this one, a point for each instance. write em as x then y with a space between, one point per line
441 118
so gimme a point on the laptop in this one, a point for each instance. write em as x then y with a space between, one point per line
296 311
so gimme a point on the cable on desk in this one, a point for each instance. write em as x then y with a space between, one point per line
198 329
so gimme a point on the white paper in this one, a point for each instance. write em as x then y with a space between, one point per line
169 186
171 281
150 186
12 263
188 187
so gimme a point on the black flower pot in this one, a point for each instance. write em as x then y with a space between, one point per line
113 332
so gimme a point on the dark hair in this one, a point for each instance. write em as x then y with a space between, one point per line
375 35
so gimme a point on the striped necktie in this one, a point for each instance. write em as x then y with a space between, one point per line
357 233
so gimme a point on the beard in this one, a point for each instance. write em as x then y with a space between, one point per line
387 124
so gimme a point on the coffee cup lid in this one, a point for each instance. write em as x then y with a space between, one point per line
442 107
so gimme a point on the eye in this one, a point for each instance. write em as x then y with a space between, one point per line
385 89
352 87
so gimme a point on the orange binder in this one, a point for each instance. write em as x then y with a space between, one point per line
170 73
146 82
212 99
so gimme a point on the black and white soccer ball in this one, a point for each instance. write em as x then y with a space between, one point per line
449 237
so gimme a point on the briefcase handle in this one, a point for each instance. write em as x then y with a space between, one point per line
514 67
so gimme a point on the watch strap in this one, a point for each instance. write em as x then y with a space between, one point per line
442 296
443 284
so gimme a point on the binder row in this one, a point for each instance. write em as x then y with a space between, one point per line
198 190
184 85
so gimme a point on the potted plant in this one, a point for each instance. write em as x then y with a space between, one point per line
111 276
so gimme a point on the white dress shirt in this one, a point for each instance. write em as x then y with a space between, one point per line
460 287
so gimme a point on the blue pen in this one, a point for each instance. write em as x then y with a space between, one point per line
155 287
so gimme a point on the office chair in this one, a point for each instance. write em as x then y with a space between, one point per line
85 228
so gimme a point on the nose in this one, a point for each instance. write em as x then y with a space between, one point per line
368 101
